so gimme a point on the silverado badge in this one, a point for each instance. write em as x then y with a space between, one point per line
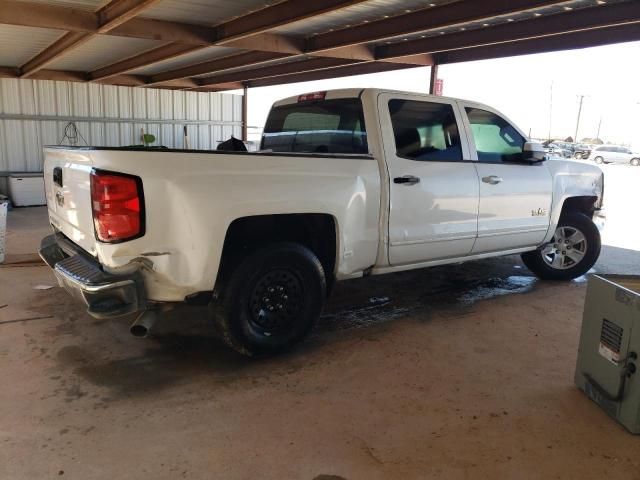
541 212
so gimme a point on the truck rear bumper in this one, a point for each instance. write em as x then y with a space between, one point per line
105 295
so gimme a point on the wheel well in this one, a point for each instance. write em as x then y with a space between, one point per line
247 234
585 205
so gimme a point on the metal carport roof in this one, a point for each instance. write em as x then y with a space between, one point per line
220 45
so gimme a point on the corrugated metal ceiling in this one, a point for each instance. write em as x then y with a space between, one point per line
203 55
205 12
19 44
102 50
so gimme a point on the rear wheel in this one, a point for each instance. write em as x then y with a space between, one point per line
572 251
272 301
599 160
635 162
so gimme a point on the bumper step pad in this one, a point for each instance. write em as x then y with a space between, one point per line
105 295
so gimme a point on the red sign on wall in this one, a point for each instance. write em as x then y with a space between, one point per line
438 87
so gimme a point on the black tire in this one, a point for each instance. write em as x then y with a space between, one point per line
635 162
599 160
272 301
567 268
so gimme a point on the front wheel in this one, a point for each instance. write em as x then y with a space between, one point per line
272 301
572 251
599 160
635 162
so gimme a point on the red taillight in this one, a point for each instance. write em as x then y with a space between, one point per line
117 205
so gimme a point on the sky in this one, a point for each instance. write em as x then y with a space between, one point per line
519 87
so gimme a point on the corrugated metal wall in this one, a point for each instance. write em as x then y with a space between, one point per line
34 113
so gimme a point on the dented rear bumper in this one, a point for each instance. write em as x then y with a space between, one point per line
105 295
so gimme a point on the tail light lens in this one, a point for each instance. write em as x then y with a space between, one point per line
118 206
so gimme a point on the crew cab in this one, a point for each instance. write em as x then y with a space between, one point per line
347 183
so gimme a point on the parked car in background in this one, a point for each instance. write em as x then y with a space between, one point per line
348 183
581 151
558 150
615 154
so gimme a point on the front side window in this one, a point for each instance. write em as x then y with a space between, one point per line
325 126
496 139
425 131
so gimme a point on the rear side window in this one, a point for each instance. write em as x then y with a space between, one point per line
325 126
496 139
425 131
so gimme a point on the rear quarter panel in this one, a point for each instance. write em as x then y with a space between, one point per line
191 198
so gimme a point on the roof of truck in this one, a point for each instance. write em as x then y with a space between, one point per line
353 93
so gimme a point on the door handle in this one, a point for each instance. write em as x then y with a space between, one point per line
492 179
406 180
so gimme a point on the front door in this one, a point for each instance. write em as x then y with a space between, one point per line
515 195
433 184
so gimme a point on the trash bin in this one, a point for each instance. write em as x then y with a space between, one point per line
3 227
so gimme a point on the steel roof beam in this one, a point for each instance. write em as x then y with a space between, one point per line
217 64
166 52
277 15
341 46
422 20
247 32
109 16
569 41
42 15
312 64
357 69
557 24
117 19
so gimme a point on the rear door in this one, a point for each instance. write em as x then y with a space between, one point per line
515 196
68 190
433 183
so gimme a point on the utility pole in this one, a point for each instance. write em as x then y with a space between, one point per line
575 138
599 125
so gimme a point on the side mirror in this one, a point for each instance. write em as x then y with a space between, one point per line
534 152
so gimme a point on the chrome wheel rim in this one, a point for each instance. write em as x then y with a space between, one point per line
566 250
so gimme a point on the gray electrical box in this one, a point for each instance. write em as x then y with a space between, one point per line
609 347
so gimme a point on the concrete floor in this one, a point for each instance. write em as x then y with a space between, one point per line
452 372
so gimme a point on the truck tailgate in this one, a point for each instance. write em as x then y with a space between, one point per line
68 190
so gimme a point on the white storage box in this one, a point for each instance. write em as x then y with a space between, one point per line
26 189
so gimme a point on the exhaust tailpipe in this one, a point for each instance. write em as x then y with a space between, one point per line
143 324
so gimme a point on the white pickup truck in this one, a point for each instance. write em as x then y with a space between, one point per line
348 183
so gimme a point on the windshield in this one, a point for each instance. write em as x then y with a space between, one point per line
325 126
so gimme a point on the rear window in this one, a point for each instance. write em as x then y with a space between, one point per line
326 126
